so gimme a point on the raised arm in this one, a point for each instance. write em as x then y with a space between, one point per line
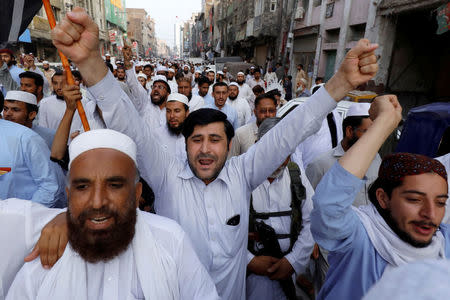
333 221
59 147
359 65
141 98
77 37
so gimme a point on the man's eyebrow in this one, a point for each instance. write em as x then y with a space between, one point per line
80 180
116 178
422 193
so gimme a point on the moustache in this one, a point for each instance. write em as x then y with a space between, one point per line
424 223
94 212
206 156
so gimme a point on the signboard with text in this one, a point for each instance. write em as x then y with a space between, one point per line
115 13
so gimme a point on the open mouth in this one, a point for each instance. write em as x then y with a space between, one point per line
99 222
423 229
205 162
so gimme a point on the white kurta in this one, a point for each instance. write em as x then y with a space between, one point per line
204 210
243 110
196 102
51 112
173 85
27 219
246 92
152 114
320 142
276 197
317 169
127 276
174 145
253 82
244 138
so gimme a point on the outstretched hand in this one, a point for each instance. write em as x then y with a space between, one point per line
359 66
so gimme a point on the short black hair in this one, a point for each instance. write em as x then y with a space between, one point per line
387 185
38 79
300 65
77 75
217 84
205 116
202 80
58 72
258 89
274 92
30 107
148 66
265 96
319 78
353 121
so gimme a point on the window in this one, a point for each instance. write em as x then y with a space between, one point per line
273 5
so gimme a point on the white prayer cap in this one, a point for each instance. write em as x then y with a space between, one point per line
252 67
358 110
102 138
114 67
241 73
159 78
234 83
185 66
21 96
45 62
161 69
107 54
197 71
178 97
210 70
172 70
142 75
220 73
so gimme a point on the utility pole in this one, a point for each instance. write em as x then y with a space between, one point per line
290 39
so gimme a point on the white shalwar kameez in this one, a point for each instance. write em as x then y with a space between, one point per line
243 110
276 197
160 263
204 210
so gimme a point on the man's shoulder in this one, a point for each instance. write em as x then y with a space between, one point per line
325 159
246 129
162 227
9 128
47 100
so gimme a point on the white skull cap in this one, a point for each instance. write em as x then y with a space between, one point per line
102 138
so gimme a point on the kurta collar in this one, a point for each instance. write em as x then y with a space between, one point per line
186 173
338 151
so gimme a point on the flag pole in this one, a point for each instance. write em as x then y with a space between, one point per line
66 65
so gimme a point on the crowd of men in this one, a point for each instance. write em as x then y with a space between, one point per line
188 185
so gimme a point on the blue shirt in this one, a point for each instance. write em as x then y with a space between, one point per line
32 176
47 134
355 265
15 71
228 110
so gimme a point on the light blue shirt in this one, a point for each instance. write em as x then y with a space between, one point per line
355 265
33 176
47 134
15 71
228 110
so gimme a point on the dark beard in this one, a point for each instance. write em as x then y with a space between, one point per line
352 141
59 97
101 245
161 101
404 236
175 130
241 82
232 98
185 72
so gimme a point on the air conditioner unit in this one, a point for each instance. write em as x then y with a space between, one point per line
299 13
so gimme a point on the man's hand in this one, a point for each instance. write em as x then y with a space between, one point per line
71 94
77 37
51 244
260 265
127 55
281 270
388 108
359 66
28 62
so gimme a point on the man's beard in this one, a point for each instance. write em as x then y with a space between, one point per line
185 72
403 235
46 69
158 102
217 170
352 140
175 130
101 245
240 82
10 63
232 97
59 97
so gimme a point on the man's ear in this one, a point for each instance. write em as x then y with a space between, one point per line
32 115
39 89
349 131
382 198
